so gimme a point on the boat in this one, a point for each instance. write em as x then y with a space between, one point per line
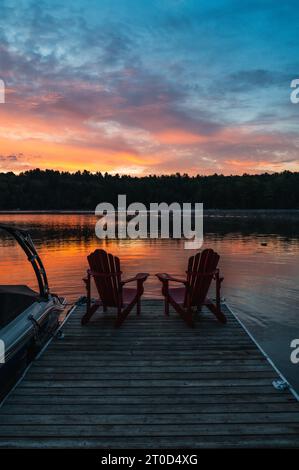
28 318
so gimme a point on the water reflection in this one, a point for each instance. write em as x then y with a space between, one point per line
259 259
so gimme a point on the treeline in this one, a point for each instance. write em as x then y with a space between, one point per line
49 189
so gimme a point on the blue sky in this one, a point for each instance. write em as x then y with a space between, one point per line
149 86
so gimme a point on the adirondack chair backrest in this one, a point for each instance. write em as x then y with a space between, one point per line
201 269
108 278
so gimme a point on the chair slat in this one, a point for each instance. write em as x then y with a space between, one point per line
207 264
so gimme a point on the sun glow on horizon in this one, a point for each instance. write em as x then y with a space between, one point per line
128 90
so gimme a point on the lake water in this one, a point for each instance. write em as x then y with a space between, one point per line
259 261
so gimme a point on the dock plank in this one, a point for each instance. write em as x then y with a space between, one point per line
153 383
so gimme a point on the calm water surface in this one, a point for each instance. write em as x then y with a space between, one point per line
261 282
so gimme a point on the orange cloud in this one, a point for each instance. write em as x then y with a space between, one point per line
178 136
65 139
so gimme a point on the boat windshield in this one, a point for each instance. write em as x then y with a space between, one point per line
14 299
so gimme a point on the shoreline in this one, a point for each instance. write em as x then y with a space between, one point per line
207 212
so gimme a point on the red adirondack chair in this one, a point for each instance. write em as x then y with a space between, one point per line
106 272
202 269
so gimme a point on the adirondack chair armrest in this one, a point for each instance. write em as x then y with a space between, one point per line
87 277
164 277
89 274
217 276
140 277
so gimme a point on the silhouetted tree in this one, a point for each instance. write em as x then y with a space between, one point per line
49 189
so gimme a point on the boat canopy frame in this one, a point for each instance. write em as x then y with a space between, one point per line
26 243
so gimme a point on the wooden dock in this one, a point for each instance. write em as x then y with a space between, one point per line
153 383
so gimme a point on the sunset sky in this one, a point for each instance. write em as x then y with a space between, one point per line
149 86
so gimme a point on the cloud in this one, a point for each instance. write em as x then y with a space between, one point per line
245 80
152 87
14 162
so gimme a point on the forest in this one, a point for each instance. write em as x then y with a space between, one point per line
53 190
